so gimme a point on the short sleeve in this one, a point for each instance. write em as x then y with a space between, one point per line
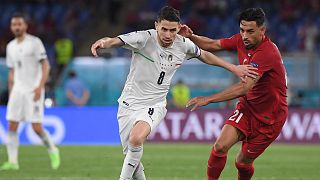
40 51
9 60
134 40
230 43
192 50
262 61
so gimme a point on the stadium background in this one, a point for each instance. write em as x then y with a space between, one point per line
292 24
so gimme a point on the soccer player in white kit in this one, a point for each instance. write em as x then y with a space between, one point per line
28 72
156 55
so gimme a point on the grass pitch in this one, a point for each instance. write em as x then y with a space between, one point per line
162 162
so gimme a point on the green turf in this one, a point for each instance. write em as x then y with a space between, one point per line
162 162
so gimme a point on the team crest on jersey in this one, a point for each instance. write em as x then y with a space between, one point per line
163 55
254 64
170 58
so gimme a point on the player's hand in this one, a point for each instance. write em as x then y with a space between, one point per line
185 31
37 93
246 70
98 44
197 102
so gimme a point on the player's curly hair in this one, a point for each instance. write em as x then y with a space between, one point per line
253 14
169 13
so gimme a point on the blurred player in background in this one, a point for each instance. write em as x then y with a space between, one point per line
28 72
156 55
262 108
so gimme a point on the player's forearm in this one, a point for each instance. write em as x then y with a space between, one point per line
10 79
206 43
111 42
212 59
230 93
45 73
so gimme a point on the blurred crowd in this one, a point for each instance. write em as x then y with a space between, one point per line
64 25
292 24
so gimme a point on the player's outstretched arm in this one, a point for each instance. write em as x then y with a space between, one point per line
241 71
205 43
232 92
106 42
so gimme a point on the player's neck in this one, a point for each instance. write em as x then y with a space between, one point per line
21 38
163 44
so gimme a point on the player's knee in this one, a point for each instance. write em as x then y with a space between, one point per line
136 139
37 129
220 147
13 126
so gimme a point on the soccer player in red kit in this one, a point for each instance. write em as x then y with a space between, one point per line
262 108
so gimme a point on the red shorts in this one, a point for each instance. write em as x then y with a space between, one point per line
258 135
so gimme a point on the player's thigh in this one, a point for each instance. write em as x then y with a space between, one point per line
127 119
151 116
260 139
34 109
228 137
15 107
125 125
139 133
234 130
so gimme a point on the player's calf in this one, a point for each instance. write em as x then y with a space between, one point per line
216 163
131 161
139 173
245 171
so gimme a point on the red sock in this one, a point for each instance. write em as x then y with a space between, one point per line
216 164
245 171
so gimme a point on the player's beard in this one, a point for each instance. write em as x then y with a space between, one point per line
249 46
18 33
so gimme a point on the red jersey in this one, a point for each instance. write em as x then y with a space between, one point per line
268 98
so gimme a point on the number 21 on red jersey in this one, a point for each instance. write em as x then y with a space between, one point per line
236 117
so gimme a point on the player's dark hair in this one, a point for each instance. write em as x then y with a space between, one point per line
169 13
253 14
20 15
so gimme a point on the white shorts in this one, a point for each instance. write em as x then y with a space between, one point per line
21 107
127 118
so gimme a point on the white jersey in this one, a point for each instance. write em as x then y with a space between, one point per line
152 68
24 57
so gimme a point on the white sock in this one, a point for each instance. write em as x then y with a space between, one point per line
12 147
131 162
139 173
47 141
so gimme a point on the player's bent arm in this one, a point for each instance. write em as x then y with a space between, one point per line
212 59
240 70
205 43
106 42
234 91
10 79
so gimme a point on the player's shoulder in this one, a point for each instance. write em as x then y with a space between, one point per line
11 43
146 33
181 39
270 47
33 38
183 42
